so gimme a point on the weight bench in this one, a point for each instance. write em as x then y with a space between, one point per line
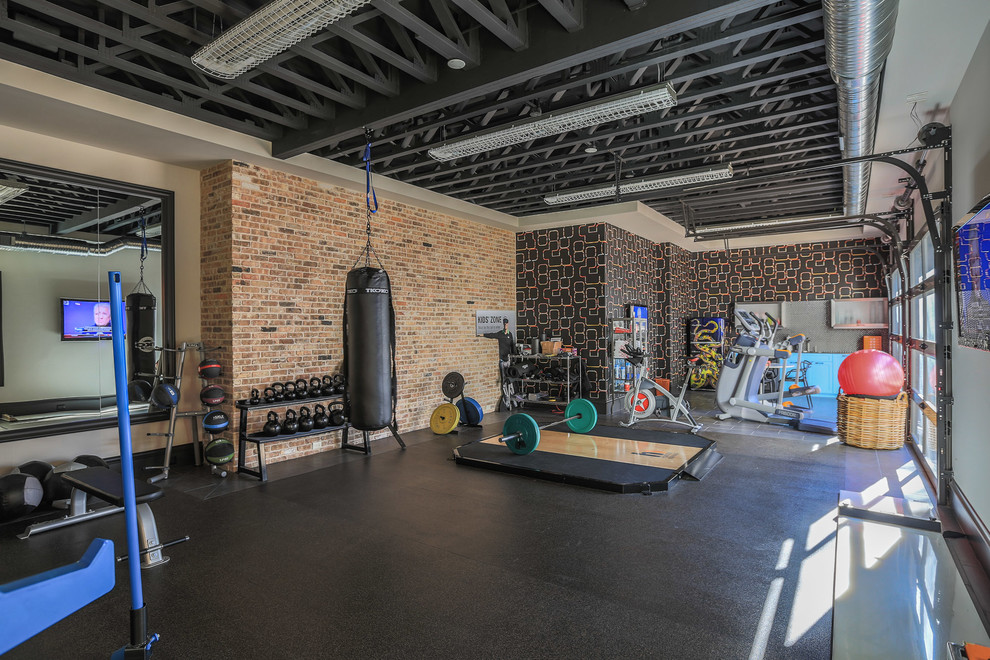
108 485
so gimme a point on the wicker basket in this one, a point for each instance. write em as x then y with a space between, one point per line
873 423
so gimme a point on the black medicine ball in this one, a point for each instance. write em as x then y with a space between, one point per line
37 469
20 494
138 390
216 421
211 395
210 369
219 451
164 396
91 460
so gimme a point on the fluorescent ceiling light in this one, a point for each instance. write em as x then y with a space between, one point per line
762 224
620 106
9 189
276 27
643 185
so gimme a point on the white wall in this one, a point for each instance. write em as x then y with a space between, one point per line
970 114
24 146
38 364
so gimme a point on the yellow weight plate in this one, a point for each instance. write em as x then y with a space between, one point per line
445 418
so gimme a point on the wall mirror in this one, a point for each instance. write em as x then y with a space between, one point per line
60 233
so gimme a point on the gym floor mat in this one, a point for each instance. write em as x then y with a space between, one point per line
609 458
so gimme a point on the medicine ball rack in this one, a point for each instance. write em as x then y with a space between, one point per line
260 439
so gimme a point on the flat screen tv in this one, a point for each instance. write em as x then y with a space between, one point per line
87 320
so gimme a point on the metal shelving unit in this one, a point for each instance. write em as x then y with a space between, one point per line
534 385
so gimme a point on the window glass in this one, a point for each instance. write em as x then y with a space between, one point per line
917 269
896 350
894 284
930 316
917 316
929 254
895 320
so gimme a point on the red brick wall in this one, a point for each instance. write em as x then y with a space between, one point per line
292 243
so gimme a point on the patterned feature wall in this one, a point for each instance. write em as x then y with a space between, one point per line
570 280
560 285
785 273
676 292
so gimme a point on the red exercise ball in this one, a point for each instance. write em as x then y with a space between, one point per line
872 373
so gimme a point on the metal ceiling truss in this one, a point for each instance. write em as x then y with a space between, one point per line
752 84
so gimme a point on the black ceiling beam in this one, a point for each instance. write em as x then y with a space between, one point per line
569 13
162 19
511 30
664 136
703 44
684 76
648 196
550 167
742 86
731 155
823 206
615 29
543 187
434 39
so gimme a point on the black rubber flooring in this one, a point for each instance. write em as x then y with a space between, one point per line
405 554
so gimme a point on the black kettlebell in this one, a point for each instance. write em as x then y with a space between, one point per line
320 419
279 391
290 391
255 398
327 386
302 388
305 420
315 387
269 395
291 424
338 383
337 415
272 427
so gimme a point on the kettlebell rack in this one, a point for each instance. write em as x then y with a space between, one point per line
260 439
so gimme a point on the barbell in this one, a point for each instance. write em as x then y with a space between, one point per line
521 433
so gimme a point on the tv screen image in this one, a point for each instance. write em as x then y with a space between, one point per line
973 278
87 319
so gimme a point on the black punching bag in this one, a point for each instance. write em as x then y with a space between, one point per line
369 349
141 334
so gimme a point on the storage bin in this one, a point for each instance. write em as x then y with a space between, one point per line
873 423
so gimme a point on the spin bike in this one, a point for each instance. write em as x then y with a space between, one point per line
642 402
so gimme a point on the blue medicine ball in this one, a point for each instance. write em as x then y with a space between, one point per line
216 421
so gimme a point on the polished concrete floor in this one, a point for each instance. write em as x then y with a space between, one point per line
406 554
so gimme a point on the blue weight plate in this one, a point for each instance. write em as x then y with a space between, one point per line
588 415
530 430
474 413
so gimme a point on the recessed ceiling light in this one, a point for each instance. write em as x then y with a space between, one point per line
456 63
591 149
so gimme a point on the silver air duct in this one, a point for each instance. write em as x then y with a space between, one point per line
858 36
70 246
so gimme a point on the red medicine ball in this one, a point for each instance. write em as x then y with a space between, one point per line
871 373
210 369
211 395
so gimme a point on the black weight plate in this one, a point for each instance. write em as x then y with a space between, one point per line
453 385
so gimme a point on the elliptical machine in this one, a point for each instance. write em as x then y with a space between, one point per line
737 393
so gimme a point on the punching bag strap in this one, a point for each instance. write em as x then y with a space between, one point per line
370 205
141 287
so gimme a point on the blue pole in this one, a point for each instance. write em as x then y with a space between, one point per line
124 430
